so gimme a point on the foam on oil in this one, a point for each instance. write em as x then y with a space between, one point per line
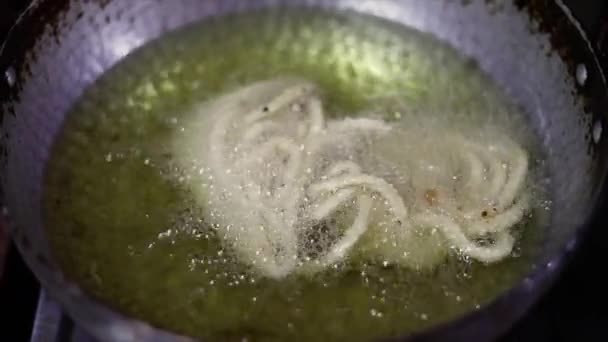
124 226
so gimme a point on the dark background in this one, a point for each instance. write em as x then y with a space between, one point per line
575 309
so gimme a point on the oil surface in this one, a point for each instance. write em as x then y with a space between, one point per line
124 226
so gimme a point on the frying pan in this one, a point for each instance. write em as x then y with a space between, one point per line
535 50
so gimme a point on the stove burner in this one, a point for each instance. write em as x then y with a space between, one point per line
51 324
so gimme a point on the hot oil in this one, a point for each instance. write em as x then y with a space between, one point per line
124 226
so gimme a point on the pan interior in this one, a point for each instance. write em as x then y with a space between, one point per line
124 227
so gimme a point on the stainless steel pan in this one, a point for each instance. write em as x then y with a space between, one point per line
535 50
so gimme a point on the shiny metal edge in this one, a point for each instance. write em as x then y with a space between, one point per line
52 325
